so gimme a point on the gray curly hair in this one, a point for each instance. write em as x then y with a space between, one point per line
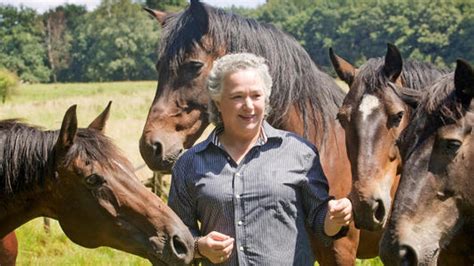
229 64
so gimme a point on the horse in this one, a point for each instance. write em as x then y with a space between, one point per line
78 176
304 100
8 250
433 211
382 96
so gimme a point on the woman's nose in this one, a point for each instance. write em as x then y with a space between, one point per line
248 103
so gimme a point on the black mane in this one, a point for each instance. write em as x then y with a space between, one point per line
27 154
415 75
439 107
296 78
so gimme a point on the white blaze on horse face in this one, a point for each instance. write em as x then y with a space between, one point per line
367 105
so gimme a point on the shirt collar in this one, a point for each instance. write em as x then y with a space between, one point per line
268 133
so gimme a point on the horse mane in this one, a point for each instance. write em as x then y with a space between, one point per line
296 78
28 157
439 107
415 75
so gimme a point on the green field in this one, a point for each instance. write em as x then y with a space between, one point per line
45 105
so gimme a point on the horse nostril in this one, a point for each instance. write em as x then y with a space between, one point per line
179 247
157 149
407 256
379 211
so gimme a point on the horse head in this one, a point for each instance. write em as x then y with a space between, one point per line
435 201
373 116
99 201
178 114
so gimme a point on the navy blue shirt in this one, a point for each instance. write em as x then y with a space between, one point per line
264 202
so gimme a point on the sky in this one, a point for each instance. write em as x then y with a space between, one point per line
43 5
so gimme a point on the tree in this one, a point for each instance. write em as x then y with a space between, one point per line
118 41
21 45
166 5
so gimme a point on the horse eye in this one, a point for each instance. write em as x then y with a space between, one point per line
394 120
94 180
195 65
452 145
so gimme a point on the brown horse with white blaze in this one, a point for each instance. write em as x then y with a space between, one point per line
433 213
383 94
77 176
304 100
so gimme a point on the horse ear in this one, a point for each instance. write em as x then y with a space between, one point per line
158 15
393 65
198 11
67 134
464 81
344 69
101 120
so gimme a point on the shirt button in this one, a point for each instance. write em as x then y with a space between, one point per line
242 248
239 223
237 174
237 196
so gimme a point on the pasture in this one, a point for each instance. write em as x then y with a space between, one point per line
44 105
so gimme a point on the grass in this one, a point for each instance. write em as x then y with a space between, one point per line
44 105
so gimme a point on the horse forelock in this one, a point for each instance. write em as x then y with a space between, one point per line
28 155
91 145
438 108
415 76
296 78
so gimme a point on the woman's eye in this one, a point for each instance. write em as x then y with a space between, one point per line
94 180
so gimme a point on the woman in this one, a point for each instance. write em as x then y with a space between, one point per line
252 188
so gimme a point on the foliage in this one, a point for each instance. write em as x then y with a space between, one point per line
166 5
8 82
118 40
431 31
21 45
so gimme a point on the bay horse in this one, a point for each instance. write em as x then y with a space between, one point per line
304 100
77 176
383 94
433 211
8 249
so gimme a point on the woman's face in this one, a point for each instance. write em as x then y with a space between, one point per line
242 103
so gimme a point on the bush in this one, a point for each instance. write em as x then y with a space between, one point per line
8 82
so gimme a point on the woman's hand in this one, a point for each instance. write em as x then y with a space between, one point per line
339 214
216 246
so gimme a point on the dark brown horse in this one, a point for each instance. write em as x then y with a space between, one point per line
434 204
78 177
376 110
304 99
8 250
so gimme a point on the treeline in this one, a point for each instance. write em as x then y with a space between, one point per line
118 41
